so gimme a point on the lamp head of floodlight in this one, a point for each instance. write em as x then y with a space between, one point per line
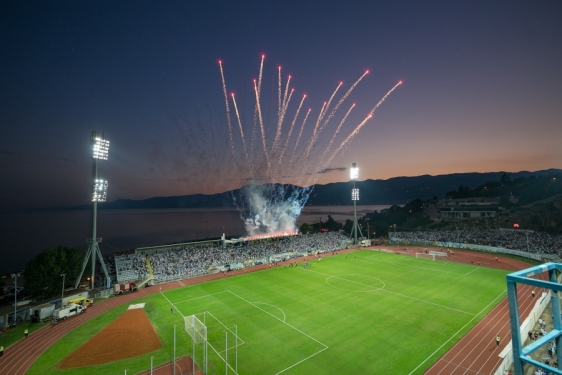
99 190
100 146
354 194
354 171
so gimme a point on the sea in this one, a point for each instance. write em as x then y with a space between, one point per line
23 235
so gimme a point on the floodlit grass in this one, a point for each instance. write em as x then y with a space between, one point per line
369 313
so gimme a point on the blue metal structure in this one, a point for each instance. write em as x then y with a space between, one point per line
522 355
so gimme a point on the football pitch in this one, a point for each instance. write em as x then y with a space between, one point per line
368 312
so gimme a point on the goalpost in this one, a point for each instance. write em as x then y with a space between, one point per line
198 330
425 256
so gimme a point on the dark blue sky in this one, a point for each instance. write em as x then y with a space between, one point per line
482 89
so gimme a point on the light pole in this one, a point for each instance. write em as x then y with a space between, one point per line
206 235
15 277
100 151
354 174
62 293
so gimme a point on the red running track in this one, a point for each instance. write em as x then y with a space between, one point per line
475 353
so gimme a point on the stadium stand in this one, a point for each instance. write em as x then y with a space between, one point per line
194 260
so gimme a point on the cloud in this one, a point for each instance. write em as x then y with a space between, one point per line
338 169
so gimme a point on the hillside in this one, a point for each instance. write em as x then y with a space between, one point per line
398 190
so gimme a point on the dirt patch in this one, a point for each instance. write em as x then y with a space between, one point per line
128 336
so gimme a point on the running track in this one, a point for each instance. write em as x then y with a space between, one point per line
476 353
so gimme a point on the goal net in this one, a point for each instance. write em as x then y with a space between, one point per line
214 346
425 256
196 329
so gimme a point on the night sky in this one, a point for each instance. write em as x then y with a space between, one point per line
482 89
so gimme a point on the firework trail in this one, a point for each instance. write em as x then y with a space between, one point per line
266 204
241 131
356 130
293 153
316 132
260 120
336 133
254 123
291 130
313 138
227 113
279 92
340 102
283 104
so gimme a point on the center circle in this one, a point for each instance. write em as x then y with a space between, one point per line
355 283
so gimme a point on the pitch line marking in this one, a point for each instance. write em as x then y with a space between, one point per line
408 265
402 295
373 288
476 269
289 325
456 333
278 308
222 324
375 255
194 298
296 329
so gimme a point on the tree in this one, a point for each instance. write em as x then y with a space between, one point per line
43 273
307 228
332 225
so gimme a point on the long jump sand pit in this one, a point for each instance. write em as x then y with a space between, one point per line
128 336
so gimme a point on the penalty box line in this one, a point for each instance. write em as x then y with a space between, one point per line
395 293
289 325
205 312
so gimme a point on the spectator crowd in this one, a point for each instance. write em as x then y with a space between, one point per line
538 242
197 259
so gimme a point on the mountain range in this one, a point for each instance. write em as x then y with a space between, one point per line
397 190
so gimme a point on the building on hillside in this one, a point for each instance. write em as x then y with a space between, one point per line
431 208
468 208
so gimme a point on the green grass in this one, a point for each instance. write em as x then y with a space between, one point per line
376 314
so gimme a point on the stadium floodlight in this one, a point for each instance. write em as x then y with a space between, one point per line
99 190
101 148
354 172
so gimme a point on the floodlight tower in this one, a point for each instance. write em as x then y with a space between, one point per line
354 174
100 150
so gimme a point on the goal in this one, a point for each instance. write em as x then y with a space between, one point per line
425 256
198 332
196 329
207 333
